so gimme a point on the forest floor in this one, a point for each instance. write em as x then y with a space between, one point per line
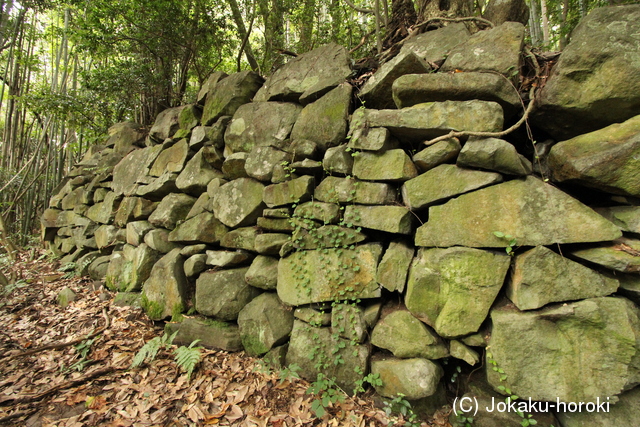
51 375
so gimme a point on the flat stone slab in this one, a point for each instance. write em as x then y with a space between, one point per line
533 212
432 119
326 275
444 182
567 347
622 255
412 89
541 276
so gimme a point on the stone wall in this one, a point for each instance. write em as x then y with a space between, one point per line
281 218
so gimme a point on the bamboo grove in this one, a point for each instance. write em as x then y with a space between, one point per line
70 69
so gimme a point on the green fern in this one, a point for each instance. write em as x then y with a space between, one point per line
149 351
188 357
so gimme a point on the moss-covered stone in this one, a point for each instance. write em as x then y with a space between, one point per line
344 190
391 165
405 336
452 289
264 323
329 274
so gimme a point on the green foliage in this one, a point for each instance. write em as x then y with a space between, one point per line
149 351
83 350
463 421
511 241
188 357
327 393
401 407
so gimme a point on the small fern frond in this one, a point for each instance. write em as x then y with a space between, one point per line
148 352
187 358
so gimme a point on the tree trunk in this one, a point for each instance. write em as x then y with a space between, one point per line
403 16
534 23
242 32
545 23
428 9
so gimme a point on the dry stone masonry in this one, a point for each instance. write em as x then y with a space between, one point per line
294 220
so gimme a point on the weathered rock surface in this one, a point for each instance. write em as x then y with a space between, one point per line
264 323
495 155
171 209
622 255
436 154
324 278
229 94
261 124
412 89
391 165
222 294
166 124
533 212
434 46
444 182
392 219
197 173
431 119
597 79
239 202
165 292
394 267
263 272
541 276
452 289
497 49
333 190
289 192
201 228
565 348
171 160
308 76
376 92
607 159
325 120
413 378
625 217
213 334
405 336
625 412
305 338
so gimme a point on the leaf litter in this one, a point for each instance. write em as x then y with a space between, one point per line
57 387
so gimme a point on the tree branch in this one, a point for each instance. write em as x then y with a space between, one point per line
356 8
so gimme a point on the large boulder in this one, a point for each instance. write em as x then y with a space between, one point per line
201 228
261 123
229 94
223 293
497 50
325 120
452 289
165 292
412 89
431 119
541 276
531 211
308 76
405 336
239 202
574 352
264 323
326 275
607 159
316 349
596 81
